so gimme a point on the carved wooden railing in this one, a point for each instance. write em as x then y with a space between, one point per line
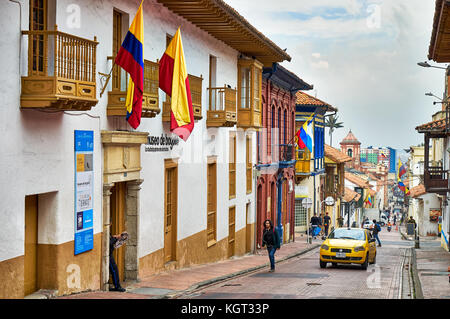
222 107
436 179
61 68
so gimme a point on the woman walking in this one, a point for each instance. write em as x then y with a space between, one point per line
271 239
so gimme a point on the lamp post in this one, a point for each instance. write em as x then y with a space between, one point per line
427 65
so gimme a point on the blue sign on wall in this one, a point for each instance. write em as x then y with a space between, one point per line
84 191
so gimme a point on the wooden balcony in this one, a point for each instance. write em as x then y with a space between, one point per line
436 180
286 155
61 72
222 107
249 94
150 100
303 164
195 85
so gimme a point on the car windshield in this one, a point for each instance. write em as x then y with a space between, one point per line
344 233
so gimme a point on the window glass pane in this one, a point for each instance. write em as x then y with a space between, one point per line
245 88
256 89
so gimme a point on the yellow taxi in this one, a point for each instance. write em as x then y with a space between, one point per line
348 246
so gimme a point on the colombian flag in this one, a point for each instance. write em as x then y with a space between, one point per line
401 169
174 81
131 58
304 134
403 187
369 200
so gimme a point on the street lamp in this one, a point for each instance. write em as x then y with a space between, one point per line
427 65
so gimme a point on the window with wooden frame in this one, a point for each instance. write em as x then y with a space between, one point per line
167 101
150 100
249 164
232 165
211 227
38 22
119 77
249 93
195 85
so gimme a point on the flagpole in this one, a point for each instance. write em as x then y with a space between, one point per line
295 135
107 76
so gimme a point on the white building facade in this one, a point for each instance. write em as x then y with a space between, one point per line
176 199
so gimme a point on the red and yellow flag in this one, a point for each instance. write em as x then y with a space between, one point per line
174 81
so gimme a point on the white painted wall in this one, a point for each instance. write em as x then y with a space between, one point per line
37 148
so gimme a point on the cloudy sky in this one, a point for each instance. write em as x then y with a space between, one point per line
361 56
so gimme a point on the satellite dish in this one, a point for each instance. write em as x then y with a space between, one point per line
307 203
329 201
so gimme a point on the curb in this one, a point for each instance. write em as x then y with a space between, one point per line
235 274
418 293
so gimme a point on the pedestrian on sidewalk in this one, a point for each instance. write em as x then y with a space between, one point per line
326 223
375 230
114 271
315 222
271 240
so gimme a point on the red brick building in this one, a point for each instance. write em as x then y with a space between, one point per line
276 150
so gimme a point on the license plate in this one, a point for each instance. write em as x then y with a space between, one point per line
340 255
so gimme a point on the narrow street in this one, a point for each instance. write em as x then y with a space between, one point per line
302 278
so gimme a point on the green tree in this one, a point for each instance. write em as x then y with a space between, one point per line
332 123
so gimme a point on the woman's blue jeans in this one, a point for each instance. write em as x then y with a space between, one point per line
271 250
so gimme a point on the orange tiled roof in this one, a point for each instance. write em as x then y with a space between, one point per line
336 155
417 191
437 125
357 180
306 99
350 195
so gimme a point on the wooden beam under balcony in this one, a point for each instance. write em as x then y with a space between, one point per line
227 25
61 71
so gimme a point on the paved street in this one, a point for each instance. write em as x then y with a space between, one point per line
301 277
298 276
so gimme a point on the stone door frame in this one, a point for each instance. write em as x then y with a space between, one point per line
121 157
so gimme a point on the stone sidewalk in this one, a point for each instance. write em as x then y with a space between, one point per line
172 283
433 266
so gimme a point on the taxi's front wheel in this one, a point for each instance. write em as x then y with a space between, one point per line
323 264
366 262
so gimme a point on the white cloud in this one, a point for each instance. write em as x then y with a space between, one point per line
367 70
320 65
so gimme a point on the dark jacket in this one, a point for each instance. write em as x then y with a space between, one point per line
375 228
270 236
112 241
326 220
315 221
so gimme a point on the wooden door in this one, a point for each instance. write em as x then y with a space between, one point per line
118 223
31 242
284 202
248 230
259 215
231 231
212 203
170 213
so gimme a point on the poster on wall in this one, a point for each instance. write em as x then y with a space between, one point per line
434 214
84 191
